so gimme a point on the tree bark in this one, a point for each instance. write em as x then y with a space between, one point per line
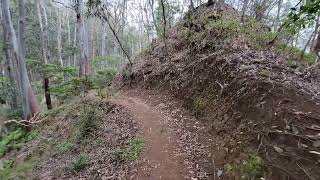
83 41
59 38
75 45
244 9
45 49
29 103
277 20
9 65
69 37
103 40
314 38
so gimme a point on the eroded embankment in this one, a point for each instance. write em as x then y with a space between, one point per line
256 105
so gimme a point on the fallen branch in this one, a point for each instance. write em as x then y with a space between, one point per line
26 123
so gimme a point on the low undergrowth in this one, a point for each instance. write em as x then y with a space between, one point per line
134 149
79 164
248 169
15 140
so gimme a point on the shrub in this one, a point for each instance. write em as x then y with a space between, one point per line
132 151
65 146
251 168
15 140
198 105
79 164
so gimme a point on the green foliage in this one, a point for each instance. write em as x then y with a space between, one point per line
228 169
293 54
65 146
264 72
11 170
198 105
15 140
79 164
106 62
171 9
134 149
104 78
302 17
87 125
228 29
6 90
251 168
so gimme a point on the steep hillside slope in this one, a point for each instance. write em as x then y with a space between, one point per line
257 103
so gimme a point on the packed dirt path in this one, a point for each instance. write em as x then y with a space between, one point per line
171 152
160 145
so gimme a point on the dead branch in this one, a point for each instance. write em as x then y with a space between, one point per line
27 123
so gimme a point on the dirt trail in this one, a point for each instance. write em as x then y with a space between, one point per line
160 161
177 145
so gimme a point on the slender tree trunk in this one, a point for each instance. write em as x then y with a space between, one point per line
164 18
9 66
69 37
151 4
277 20
29 103
307 44
103 40
83 41
75 45
59 38
317 47
94 40
104 16
244 9
314 38
191 6
45 49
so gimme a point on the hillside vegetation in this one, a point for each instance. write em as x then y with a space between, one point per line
262 109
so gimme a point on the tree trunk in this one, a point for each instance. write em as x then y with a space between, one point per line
74 45
83 41
151 3
314 38
29 103
191 6
9 66
45 49
103 40
94 40
277 20
59 38
244 9
317 47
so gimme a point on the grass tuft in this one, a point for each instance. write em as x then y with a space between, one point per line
79 164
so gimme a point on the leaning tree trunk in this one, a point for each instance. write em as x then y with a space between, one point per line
45 50
29 103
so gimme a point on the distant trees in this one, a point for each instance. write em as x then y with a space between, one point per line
64 35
